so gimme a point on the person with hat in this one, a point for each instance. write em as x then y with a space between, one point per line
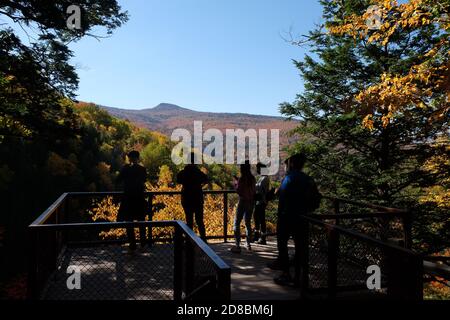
259 215
133 205
298 195
245 188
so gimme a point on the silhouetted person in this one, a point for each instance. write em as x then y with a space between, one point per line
245 187
192 179
133 205
298 195
262 189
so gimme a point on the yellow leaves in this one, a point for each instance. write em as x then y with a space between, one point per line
410 15
368 122
399 92
439 194
106 210
14 127
386 119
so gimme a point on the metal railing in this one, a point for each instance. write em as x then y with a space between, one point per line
335 255
336 260
387 224
151 197
180 266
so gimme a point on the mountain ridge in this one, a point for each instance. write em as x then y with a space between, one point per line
166 117
165 107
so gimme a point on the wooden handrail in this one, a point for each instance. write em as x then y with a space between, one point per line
333 216
147 193
358 235
365 204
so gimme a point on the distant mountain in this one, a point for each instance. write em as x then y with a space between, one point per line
167 117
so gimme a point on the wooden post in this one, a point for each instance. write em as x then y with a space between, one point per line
336 205
178 265
407 229
224 284
225 217
150 218
333 246
190 266
404 276
32 278
304 258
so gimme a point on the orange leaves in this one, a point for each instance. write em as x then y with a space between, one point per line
58 166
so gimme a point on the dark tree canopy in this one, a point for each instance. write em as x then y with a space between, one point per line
35 75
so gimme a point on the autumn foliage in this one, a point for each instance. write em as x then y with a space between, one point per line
426 84
168 207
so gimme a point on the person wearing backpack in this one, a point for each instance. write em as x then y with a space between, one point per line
259 214
298 195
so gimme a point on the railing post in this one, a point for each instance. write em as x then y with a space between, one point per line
57 235
225 217
333 246
178 264
404 276
336 205
304 257
407 229
189 256
224 284
32 278
150 217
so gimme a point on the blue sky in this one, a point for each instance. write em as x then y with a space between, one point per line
206 55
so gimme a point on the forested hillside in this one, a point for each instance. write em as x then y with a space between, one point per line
167 117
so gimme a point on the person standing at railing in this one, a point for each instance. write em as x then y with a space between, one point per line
192 179
262 189
133 205
245 187
298 195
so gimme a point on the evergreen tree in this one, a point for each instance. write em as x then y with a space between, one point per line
383 163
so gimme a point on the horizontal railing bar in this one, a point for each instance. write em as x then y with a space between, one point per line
119 193
360 236
333 216
436 269
104 225
365 204
50 210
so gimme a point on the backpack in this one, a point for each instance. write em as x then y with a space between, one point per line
314 197
270 196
